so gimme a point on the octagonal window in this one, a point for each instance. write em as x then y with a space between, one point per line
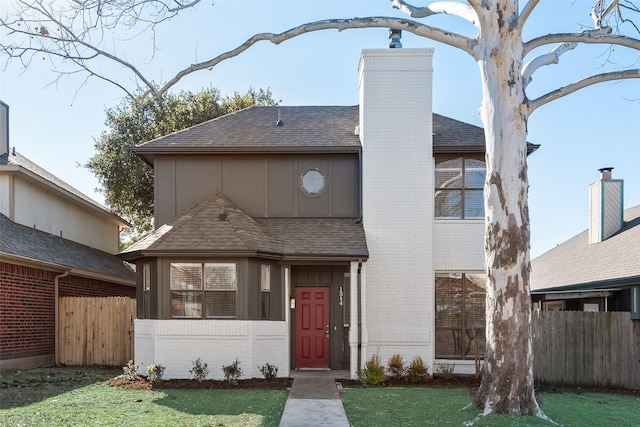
313 182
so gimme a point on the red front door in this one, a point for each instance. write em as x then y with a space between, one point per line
312 326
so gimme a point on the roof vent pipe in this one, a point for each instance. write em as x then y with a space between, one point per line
394 39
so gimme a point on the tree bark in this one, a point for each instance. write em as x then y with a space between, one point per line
507 383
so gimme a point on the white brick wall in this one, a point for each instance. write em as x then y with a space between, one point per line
396 133
458 245
176 344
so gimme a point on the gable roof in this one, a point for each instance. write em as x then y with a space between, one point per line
216 227
255 130
575 264
14 162
303 129
35 245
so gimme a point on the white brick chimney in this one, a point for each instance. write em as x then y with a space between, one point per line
396 132
606 207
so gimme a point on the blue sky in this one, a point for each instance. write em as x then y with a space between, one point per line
55 124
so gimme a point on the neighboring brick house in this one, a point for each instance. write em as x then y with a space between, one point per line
598 269
315 237
54 242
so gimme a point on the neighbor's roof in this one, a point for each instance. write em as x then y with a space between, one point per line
34 245
217 227
302 129
14 162
577 265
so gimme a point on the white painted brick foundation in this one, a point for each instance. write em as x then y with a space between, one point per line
176 344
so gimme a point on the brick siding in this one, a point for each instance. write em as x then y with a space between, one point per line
27 309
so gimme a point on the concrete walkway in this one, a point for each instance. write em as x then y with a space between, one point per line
314 400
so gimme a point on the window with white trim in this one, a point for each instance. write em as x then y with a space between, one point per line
265 292
459 187
203 290
460 315
146 289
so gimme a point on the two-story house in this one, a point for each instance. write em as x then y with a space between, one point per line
54 242
315 237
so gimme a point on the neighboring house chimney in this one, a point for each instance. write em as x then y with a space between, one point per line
4 128
606 207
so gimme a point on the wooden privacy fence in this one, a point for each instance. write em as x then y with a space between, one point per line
588 349
95 331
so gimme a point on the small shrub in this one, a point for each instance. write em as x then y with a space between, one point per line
200 370
445 370
130 371
417 372
269 372
155 372
373 372
396 367
232 372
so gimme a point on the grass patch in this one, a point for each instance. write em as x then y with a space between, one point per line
451 407
98 404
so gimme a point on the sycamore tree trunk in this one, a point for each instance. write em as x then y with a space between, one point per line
507 382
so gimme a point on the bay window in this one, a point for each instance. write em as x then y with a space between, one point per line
203 290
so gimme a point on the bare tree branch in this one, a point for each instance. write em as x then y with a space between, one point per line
461 10
446 37
587 37
552 57
580 84
526 12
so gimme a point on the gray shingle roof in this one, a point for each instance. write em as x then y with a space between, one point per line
200 231
575 264
318 236
214 225
25 242
254 129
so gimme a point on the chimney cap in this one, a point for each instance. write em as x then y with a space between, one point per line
607 169
394 38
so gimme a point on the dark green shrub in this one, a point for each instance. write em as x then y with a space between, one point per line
373 372
200 370
232 372
155 372
417 372
396 367
269 372
130 371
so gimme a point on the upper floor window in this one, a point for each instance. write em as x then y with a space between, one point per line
203 290
459 186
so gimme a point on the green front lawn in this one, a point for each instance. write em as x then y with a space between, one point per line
98 404
391 406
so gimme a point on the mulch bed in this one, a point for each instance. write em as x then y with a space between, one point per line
141 383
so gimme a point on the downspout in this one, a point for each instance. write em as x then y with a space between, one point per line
360 192
56 321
